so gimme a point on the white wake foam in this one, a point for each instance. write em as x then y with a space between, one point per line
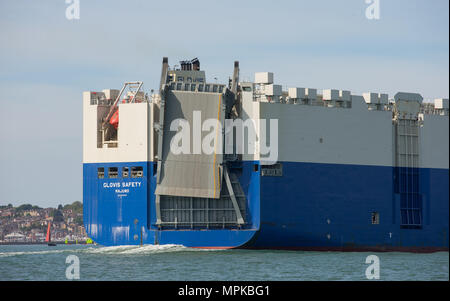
7 254
129 249
115 250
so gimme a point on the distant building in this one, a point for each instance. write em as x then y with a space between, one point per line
6 213
39 237
15 237
81 231
25 224
31 213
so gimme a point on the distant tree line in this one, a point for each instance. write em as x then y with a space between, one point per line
76 207
25 207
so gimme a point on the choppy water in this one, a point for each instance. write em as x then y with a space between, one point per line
174 262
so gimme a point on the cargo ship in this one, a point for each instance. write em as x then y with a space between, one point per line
252 165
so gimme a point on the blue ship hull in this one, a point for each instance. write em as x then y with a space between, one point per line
310 207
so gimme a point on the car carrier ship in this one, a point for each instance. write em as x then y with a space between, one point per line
350 172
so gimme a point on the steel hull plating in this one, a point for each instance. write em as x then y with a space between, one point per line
310 207
329 207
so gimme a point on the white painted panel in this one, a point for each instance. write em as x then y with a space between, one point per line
330 135
433 137
89 126
132 134
250 110
153 116
133 130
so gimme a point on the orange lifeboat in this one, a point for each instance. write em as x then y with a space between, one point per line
114 121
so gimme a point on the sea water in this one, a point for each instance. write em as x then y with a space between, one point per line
175 262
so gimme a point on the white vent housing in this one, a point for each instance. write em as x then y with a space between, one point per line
264 78
272 90
311 93
336 95
297 93
375 98
441 103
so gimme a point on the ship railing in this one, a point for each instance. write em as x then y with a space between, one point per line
429 109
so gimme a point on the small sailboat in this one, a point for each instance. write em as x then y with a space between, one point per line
48 238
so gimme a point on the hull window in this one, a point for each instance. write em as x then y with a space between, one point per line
125 172
375 218
101 172
113 172
137 172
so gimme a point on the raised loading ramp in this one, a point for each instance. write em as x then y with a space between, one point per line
195 189
195 173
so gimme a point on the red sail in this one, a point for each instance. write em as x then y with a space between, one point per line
48 238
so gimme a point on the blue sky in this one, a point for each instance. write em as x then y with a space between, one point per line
47 61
